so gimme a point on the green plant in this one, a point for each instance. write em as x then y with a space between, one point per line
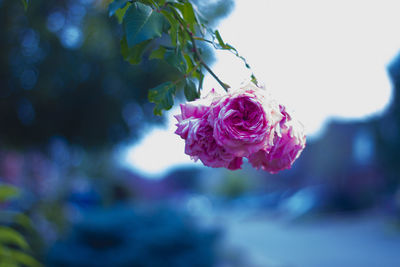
14 249
169 30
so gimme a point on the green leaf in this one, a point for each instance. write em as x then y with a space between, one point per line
142 23
133 54
115 5
172 1
7 192
178 25
174 26
11 237
219 39
188 15
201 79
26 4
19 257
190 90
158 53
176 60
120 13
182 37
163 96
224 45
11 217
8 263
190 63
254 79
24 221
26 259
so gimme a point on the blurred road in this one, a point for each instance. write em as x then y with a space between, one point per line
365 241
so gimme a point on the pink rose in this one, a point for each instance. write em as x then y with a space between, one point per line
221 130
244 120
289 141
189 113
193 110
194 127
200 144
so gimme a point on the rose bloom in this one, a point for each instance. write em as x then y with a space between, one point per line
200 144
193 126
189 113
289 141
193 110
244 120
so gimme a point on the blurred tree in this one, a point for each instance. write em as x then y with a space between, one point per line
62 75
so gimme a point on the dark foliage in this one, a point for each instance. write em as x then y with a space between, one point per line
121 236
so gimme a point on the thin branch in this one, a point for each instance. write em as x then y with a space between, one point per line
205 40
230 49
197 53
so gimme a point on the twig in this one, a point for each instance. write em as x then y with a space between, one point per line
197 53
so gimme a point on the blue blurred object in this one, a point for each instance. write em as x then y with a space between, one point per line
122 236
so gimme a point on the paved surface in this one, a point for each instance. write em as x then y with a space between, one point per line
366 241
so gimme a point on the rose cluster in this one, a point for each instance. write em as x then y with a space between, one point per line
222 129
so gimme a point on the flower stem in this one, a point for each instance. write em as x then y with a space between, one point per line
197 53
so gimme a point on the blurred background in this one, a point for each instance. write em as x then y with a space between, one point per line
90 177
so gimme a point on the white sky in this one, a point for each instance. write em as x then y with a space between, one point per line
320 58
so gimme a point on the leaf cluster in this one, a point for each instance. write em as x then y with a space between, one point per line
14 249
168 30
